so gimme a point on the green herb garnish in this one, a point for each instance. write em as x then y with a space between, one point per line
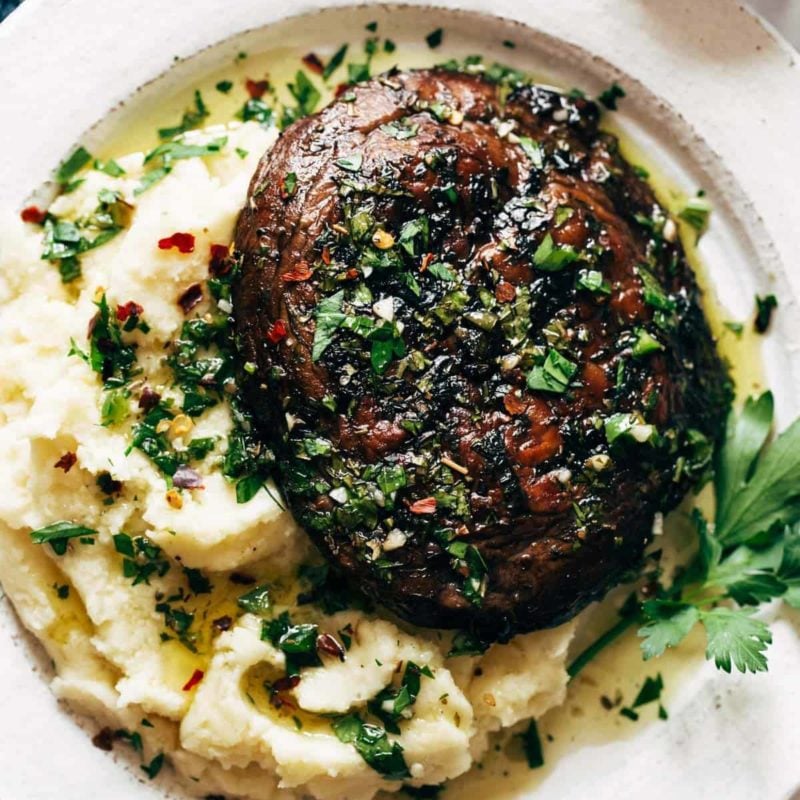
58 534
610 96
336 61
764 309
554 375
373 745
553 258
191 119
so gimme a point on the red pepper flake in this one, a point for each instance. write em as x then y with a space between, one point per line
279 689
129 309
505 292
426 260
425 506
277 332
66 462
302 272
327 644
256 89
183 242
341 89
326 256
33 214
513 404
312 62
149 399
191 297
197 676
219 262
351 274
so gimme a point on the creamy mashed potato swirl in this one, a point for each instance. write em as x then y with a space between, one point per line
122 652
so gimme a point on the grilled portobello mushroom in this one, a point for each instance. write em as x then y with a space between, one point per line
471 337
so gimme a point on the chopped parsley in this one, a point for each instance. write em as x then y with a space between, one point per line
466 643
192 118
532 746
336 61
142 559
393 704
73 164
696 212
373 745
550 257
58 534
554 375
609 96
434 38
765 306
64 241
298 643
256 601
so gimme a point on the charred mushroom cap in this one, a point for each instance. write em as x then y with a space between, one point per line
475 345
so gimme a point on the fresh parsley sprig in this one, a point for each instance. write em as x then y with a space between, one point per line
748 555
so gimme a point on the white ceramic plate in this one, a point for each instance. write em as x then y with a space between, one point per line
713 101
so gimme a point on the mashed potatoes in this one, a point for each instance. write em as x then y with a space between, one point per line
143 613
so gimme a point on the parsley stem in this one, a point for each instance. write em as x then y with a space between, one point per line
601 643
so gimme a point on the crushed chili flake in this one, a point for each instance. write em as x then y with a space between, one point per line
351 274
426 260
191 297
277 332
513 404
327 644
187 478
129 309
66 462
341 89
302 272
505 292
312 62
285 684
33 214
219 263
197 676
256 89
223 623
148 399
182 242
425 506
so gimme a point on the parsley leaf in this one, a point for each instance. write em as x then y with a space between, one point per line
553 258
336 61
764 308
58 533
609 96
668 626
554 375
532 745
770 495
373 745
191 119
736 638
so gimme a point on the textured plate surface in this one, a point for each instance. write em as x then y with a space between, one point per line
713 100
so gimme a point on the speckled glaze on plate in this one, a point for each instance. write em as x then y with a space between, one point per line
713 101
